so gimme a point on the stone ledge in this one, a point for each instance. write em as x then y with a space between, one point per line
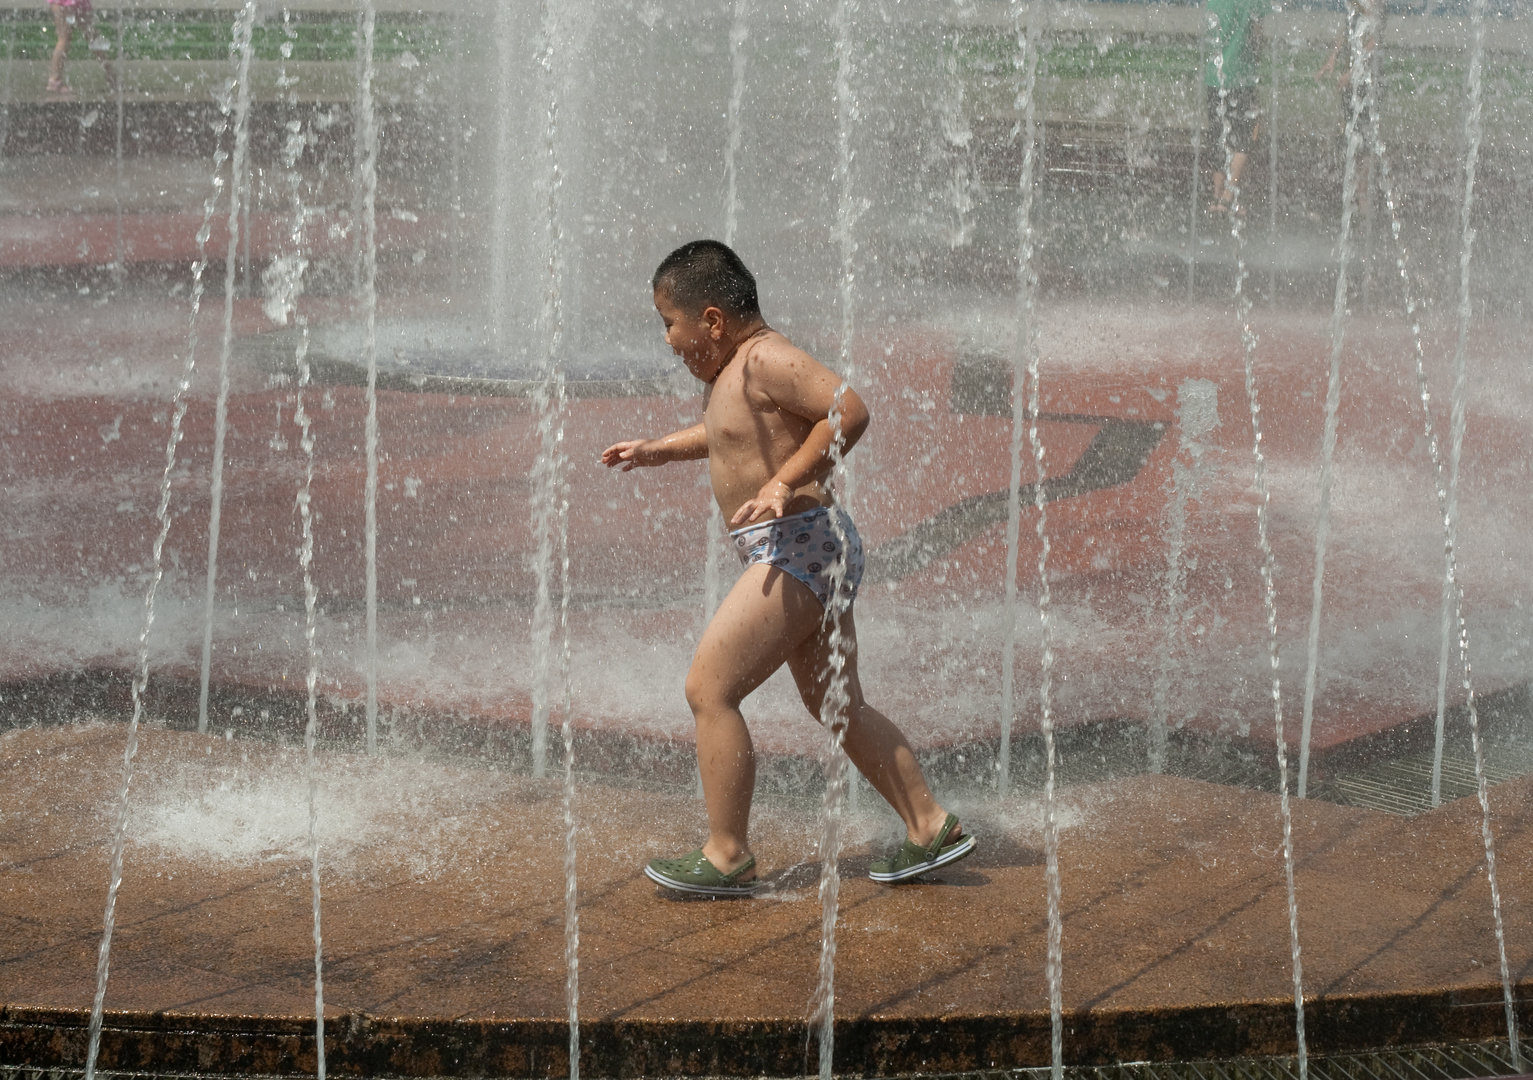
359 1044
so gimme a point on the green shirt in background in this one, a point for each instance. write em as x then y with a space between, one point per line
1232 30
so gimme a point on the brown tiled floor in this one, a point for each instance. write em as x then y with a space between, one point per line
445 897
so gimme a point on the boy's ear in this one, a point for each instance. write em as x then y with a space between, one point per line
714 318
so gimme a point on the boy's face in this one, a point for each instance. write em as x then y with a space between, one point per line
697 339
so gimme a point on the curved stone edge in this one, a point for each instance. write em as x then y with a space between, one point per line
358 1044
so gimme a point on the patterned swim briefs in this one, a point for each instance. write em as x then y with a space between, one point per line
805 546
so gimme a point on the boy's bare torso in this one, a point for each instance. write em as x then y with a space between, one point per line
751 424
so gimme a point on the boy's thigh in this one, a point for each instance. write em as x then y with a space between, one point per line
758 627
811 666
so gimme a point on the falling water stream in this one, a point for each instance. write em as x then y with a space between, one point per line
1269 561
833 718
548 405
8 83
1201 97
834 704
1026 403
739 32
1054 964
1360 31
1413 308
311 684
157 573
961 145
551 530
1458 396
506 150
1274 71
1197 414
119 250
1452 590
366 127
1023 21
567 733
239 190
739 60
284 283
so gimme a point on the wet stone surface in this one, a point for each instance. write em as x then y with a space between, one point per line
443 922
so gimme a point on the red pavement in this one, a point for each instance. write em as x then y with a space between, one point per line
82 440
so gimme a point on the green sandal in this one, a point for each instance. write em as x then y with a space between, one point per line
912 860
695 874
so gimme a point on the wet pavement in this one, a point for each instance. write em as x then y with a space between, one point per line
443 916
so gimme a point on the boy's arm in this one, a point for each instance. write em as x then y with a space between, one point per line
797 383
688 444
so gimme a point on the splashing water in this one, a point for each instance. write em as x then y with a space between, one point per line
1361 29
239 190
1264 543
367 173
1027 48
163 517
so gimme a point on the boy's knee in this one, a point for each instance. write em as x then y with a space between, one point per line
704 696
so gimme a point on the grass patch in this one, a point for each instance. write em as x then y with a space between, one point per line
29 35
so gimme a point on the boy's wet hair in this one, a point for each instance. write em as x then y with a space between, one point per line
706 273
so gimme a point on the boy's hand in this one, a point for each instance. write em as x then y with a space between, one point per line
634 453
767 505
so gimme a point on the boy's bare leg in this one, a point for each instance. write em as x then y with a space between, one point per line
758 627
873 743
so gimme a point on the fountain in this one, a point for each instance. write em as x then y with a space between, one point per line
1129 468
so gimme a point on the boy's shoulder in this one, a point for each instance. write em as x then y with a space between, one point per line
770 355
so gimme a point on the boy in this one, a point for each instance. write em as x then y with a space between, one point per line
767 438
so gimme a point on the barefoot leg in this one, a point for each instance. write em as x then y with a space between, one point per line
875 745
760 624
